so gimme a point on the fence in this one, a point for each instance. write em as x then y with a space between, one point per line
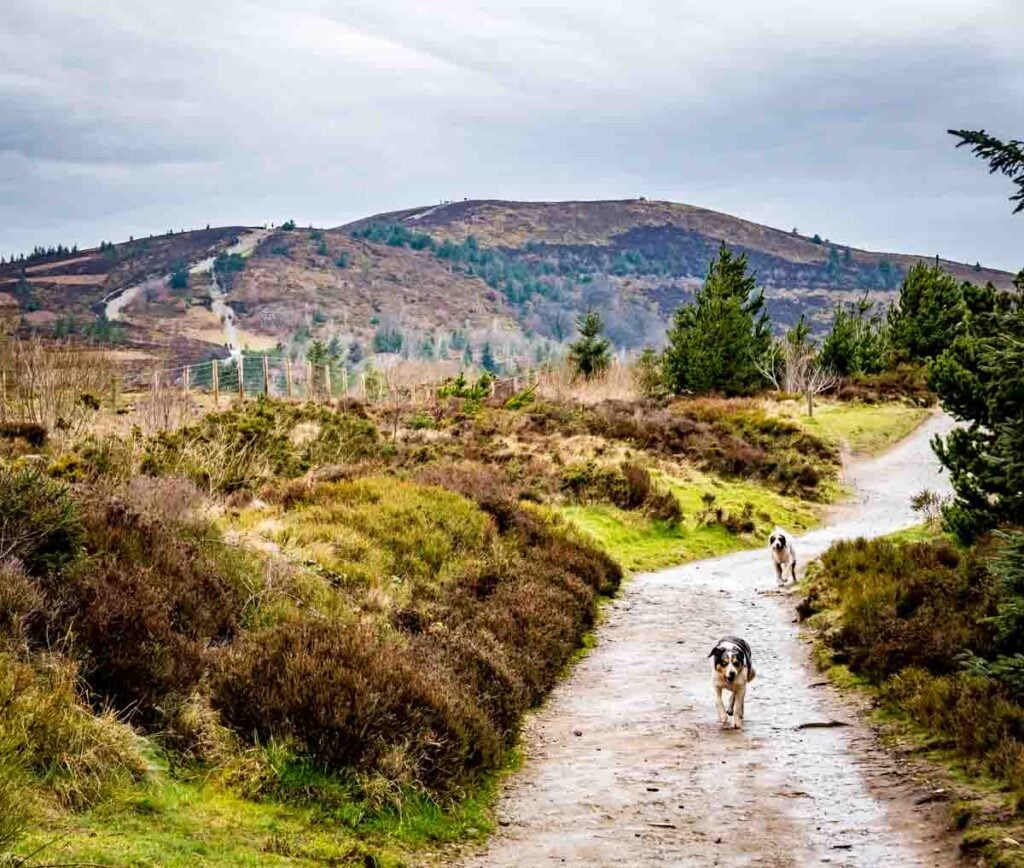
246 376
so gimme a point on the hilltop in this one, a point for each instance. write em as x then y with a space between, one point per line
431 281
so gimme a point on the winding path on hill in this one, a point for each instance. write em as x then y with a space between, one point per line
626 764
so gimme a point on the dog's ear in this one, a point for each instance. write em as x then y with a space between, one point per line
713 651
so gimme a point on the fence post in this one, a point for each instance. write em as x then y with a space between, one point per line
309 380
344 381
216 384
288 375
241 376
266 376
364 385
3 394
185 380
327 380
156 380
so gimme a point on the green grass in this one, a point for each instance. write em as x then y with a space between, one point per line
176 823
640 544
866 429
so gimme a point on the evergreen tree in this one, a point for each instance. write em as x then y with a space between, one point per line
1006 158
317 353
857 342
179 279
832 269
980 381
927 315
717 342
591 354
355 353
487 360
467 355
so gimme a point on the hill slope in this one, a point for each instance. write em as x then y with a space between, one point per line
432 280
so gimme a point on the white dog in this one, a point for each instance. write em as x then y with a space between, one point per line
783 555
734 670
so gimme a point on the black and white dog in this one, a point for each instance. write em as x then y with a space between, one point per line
783 556
734 670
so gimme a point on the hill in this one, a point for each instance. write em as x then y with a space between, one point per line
433 281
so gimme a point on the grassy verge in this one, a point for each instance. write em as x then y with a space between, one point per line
865 429
640 543
182 823
925 628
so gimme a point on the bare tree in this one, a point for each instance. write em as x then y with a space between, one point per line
53 383
793 368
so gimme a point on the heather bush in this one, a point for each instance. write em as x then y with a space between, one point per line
254 442
155 591
350 695
923 621
492 599
731 437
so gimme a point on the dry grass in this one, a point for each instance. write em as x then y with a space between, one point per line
53 384
558 383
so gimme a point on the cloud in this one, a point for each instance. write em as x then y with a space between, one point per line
122 118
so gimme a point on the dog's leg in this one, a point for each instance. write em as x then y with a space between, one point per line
778 572
792 567
723 717
732 702
737 698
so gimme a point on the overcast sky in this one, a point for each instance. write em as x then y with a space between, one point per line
120 118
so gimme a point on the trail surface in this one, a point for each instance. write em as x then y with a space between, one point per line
626 764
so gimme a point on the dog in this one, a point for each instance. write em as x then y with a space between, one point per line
783 555
733 671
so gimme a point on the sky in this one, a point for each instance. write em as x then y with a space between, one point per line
120 118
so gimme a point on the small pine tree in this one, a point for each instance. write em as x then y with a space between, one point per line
717 342
179 279
487 360
591 354
928 314
649 375
857 342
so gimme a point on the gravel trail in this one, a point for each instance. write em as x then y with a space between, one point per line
626 763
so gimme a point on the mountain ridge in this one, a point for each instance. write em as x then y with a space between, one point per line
427 281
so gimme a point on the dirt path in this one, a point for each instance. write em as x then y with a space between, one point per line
116 302
627 765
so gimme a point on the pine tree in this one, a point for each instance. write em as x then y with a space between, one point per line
487 360
591 354
857 342
716 343
1006 158
980 381
928 314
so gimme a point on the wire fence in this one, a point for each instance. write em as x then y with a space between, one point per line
246 376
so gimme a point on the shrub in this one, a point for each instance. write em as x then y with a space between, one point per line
20 597
53 739
905 605
350 697
32 433
734 438
243 447
40 524
922 621
154 591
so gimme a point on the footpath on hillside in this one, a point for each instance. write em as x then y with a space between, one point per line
627 765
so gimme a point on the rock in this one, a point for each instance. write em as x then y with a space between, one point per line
577 732
822 724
